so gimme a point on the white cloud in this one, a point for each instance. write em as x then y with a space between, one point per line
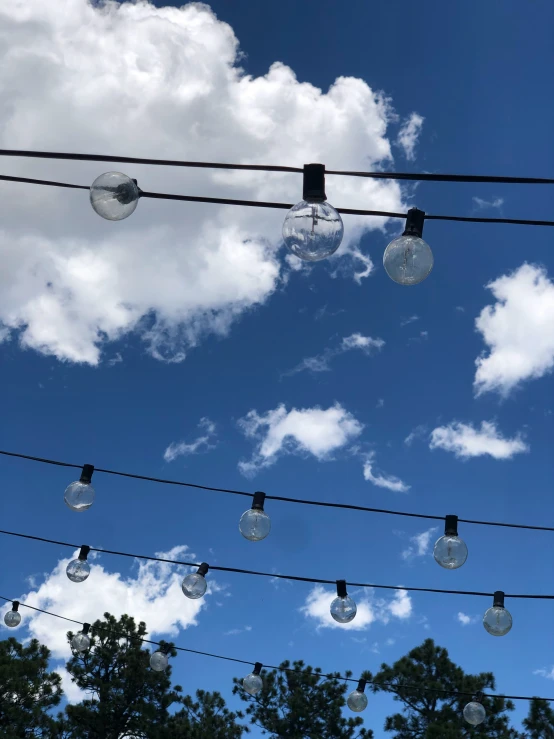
235 632
72 693
466 620
418 433
548 673
481 204
321 362
409 134
202 443
381 479
152 595
298 431
358 341
166 84
380 403
420 544
466 441
369 608
517 330
407 321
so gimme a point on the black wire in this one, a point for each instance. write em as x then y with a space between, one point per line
302 501
295 578
422 176
328 676
287 206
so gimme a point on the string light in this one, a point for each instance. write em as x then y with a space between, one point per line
13 617
81 641
79 496
159 660
450 551
474 712
79 569
194 585
497 619
343 609
114 196
253 682
313 229
254 523
357 700
408 260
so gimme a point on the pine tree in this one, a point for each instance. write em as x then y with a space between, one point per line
540 721
205 718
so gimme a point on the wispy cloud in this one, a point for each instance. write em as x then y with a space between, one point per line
409 134
480 204
382 479
420 544
407 321
466 441
203 443
234 632
547 673
380 403
321 362
418 433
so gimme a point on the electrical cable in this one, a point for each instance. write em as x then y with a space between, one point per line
393 686
295 578
302 501
288 206
421 176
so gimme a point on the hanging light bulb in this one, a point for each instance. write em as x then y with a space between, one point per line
13 617
159 660
114 196
255 524
79 569
498 620
253 683
81 642
474 712
408 259
195 585
343 608
79 496
357 700
313 229
450 551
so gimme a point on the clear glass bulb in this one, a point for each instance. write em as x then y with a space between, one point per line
80 643
78 570
114 196
79 496
194 585
474 713
159 661
252 683
254 524
497 621
313 230
450 552
357 701
408 260
343 610
12 619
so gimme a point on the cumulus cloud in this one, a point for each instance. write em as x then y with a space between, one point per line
517 330
381 479
419 545
299 431
321 362
166 84
467 441
370 608
481 204
466 620
409 134
153 595
202 443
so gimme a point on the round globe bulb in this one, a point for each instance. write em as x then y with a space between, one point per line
312 230
474 713
114 196
159 661
408 260
79 496
78 570
450 552
252 683
80 643
194 585
357 701
497 621
343 610
254 524
12 619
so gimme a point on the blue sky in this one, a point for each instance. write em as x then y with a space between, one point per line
96 319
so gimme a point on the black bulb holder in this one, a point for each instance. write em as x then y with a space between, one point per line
478 697
451 525
86 474
15 606
414 223
361 686
314 183
86 628
203 569
498 599
164 648
83 554
341 589
258 501
257 668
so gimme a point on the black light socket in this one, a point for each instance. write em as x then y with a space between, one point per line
341 589
478 698
86 628
498 599
83 554
361 686
414 222
86 474
203 569
15 606
257 668
451 525
314 183
258 501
